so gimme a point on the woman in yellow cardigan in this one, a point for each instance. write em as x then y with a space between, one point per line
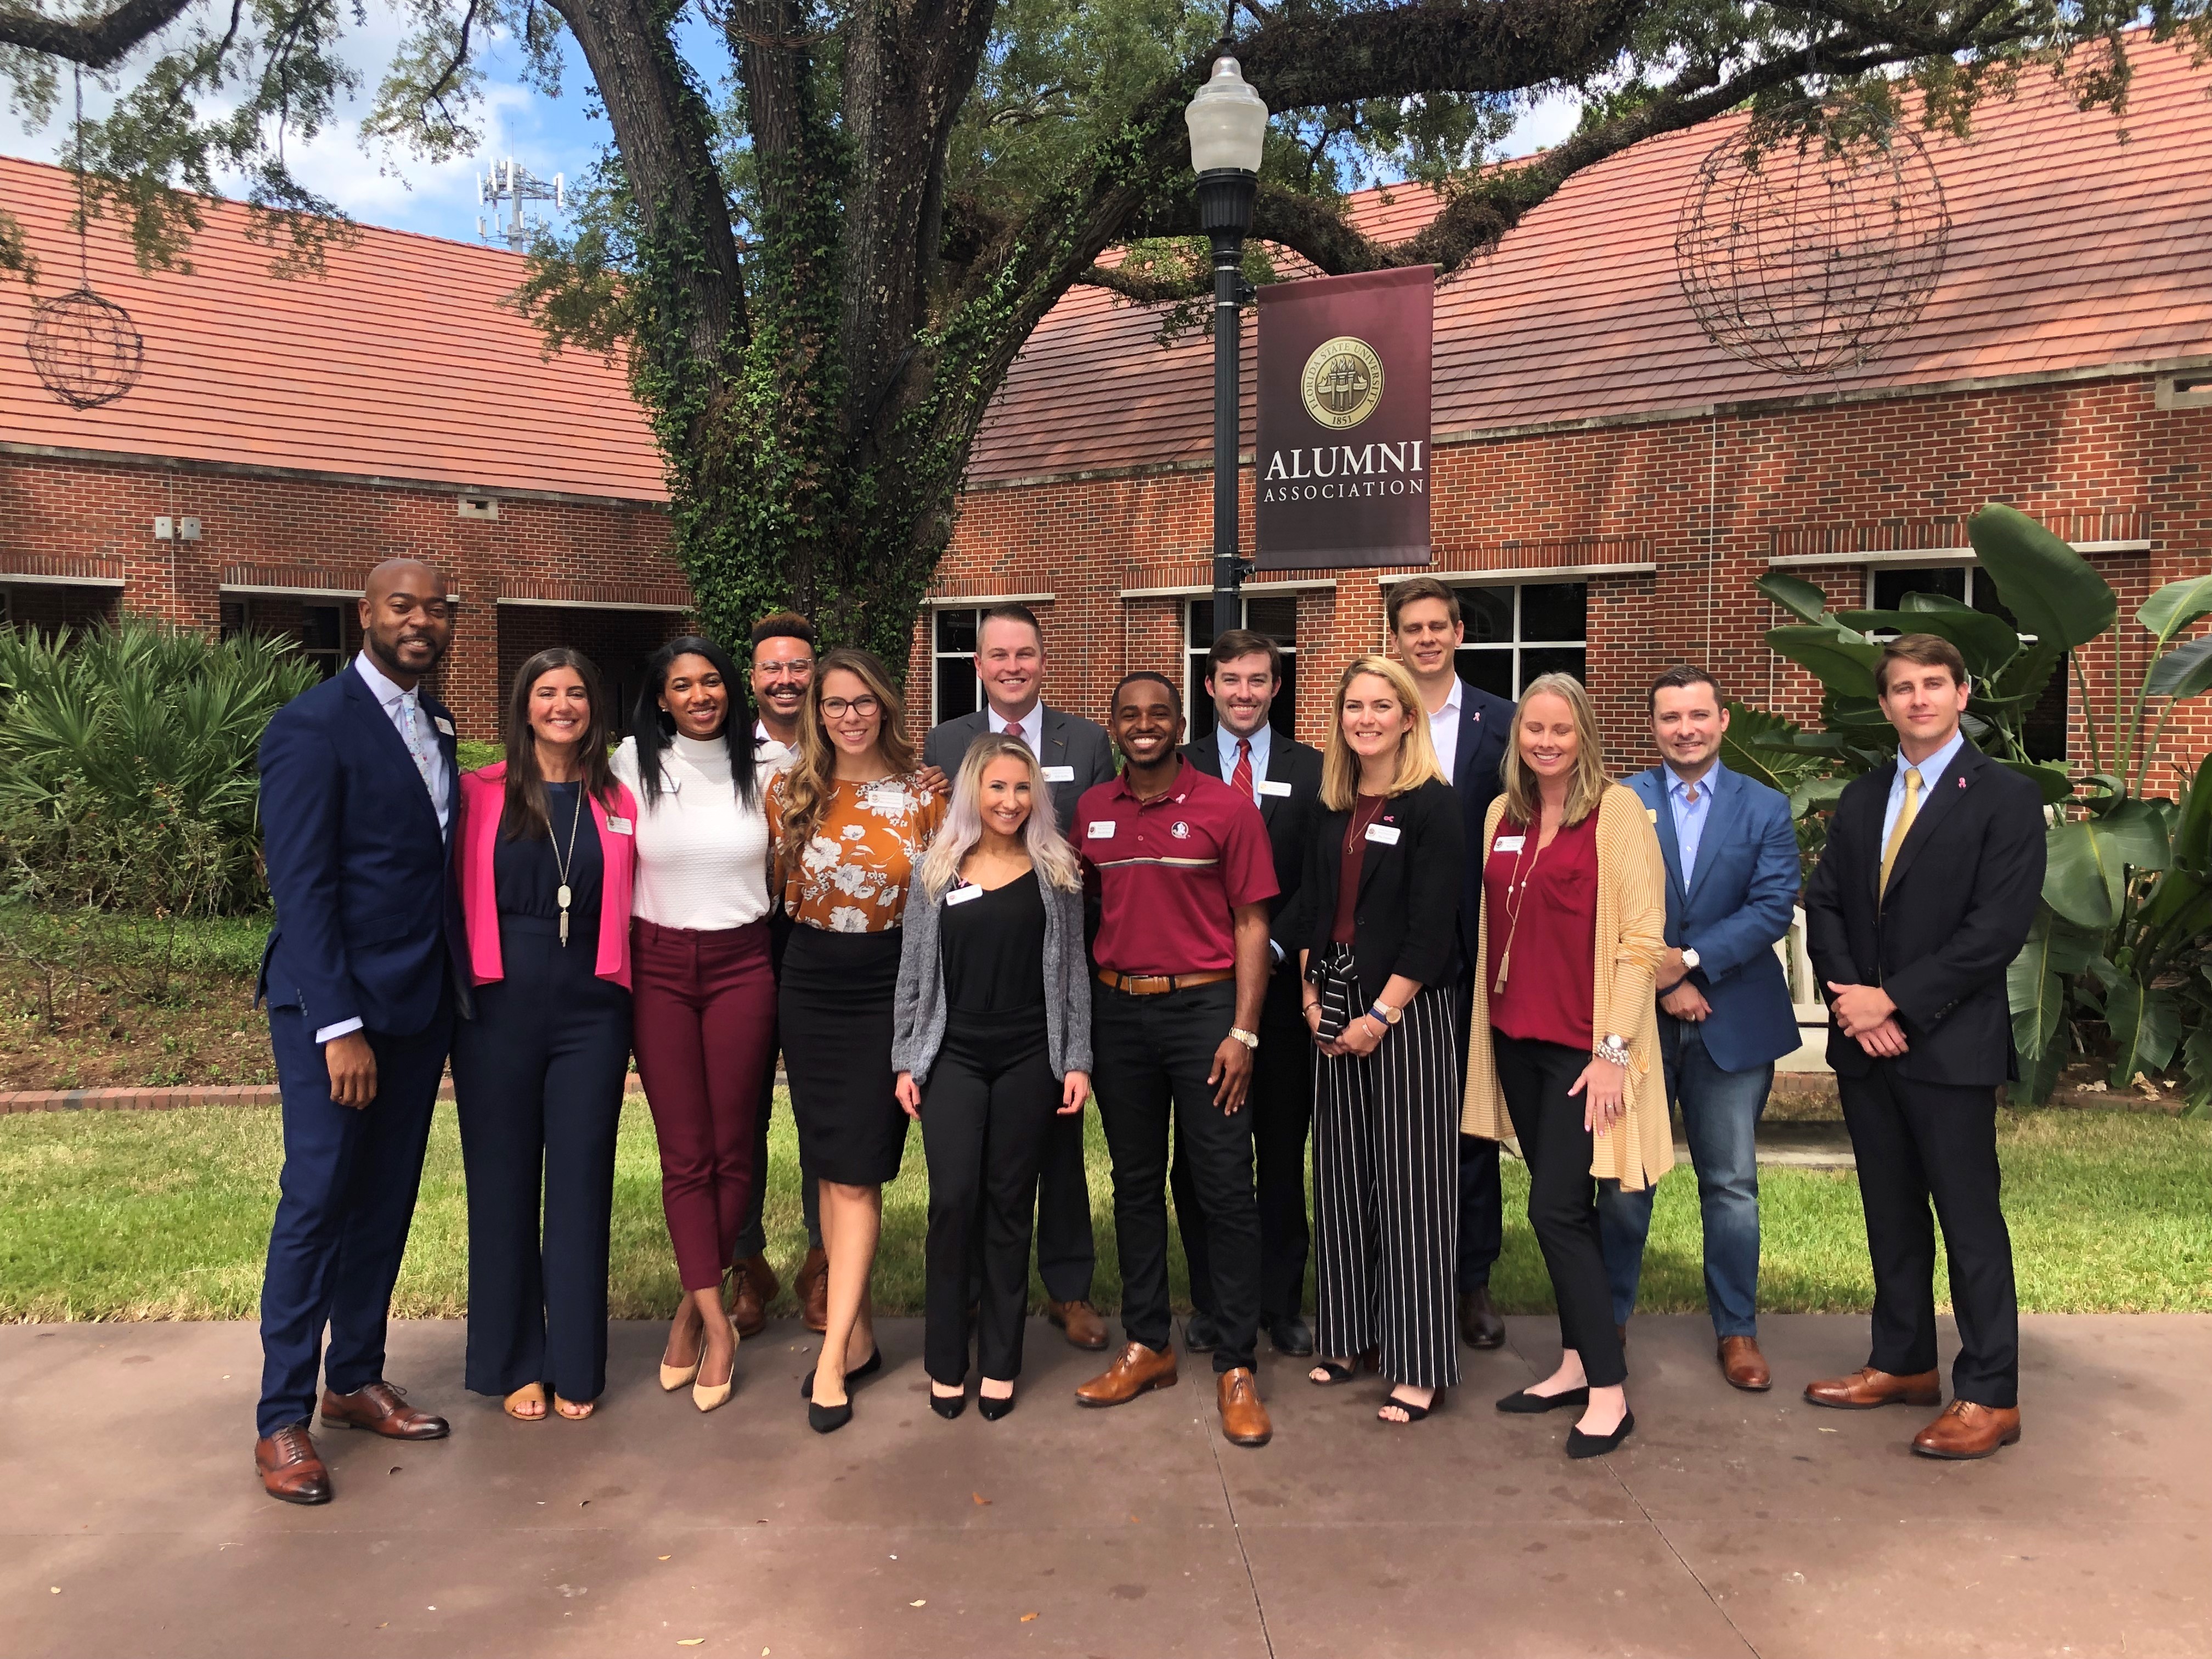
1564 1039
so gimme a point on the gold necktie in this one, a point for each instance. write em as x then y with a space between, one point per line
1904 817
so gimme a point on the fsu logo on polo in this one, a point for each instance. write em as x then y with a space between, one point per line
1179 829
1342 382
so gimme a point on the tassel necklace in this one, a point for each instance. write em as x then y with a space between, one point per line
561 861
1514 906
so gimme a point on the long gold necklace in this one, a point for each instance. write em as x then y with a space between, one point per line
1513 907
561 862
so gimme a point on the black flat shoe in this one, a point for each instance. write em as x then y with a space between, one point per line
1291 1335
1525 1404
1597 1445
828 1419
868 1367
948 1406
991 1410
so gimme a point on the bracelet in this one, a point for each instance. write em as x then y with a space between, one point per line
1613 1051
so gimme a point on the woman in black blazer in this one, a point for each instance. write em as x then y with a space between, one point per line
1374 924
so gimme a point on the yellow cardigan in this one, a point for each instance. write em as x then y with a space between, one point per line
1631 938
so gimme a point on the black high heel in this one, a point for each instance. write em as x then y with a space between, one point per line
948 1406
991 1409
1597 1445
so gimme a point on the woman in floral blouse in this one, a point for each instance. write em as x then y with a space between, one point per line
849 821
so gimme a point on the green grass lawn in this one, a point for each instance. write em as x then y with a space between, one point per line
164 1215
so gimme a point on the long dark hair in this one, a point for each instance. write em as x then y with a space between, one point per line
525 817
653 728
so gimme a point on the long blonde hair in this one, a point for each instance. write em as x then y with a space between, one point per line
1051 856
1417 755
808 784
1588 783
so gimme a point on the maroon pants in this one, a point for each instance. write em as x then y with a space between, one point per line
703 1021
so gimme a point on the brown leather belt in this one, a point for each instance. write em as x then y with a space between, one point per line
1155 985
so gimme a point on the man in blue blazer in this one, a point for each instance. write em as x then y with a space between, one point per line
357 803
1470 728
1724 1011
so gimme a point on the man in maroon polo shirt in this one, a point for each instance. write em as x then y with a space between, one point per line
1183 871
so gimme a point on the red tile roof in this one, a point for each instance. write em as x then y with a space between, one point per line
398 362
2070 250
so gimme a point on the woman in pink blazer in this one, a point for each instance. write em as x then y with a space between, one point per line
546 853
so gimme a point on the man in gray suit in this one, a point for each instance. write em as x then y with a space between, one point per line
1074 753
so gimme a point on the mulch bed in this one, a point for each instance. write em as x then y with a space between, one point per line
109 1027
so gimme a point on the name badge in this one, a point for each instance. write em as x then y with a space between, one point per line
962 895
618 826
670 782
1385 833
1101 829
889 800
443 723
1270 786
1059 774
1652 814
1510 844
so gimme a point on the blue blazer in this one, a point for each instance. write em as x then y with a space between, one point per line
1486 727
362 874
1737 904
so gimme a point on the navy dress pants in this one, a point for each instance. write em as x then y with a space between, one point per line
346 1199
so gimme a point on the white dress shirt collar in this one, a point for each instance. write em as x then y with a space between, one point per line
388 691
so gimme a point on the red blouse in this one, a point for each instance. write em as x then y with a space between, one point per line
1364 812
1546 997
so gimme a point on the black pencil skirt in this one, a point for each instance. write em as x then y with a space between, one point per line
834 1016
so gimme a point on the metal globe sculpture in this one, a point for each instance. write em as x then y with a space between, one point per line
1812 239
86 349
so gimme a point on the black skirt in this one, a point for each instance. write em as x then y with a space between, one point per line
833 1011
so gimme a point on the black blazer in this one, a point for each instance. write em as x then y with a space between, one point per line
1406 920
1486 727
1290 820
1067 740
1961 898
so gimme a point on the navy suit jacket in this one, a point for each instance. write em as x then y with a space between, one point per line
361 873
1486 727
1736 904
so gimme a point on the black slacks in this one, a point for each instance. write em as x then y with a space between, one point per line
988 1113
538 1083
1150 1056
1916 1142
1481 1201
1562 1195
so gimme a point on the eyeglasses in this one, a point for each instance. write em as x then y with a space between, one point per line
805 665
836 708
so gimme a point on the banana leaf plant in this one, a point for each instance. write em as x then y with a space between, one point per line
2123 937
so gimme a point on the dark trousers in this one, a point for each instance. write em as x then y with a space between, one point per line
1916 1142
538 1080
752 1237
1150 1056
988 1112
1281 1114
1562 1195
704 1007
345 1201
1481 1201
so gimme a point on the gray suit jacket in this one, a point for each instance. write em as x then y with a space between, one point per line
919 1006
1070 741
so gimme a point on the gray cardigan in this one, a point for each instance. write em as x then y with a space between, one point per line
919 1032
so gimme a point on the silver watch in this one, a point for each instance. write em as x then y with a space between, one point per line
1689 959
1612 1050
1249 1039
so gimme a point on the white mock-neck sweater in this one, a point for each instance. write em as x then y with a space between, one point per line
701 863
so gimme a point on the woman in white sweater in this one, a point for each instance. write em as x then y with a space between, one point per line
704 990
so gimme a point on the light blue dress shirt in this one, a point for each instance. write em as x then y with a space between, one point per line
1931 772
1261 740
1690 815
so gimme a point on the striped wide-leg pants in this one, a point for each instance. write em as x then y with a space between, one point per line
1386 1197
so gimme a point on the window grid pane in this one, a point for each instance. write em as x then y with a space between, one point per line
955 688
1275 617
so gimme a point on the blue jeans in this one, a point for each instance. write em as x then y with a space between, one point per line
1720 1114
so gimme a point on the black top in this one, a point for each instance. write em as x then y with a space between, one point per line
526 877
994 949
1405 910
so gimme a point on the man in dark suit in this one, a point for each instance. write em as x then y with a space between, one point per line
1074 753
1470 728
357 799
1924 896
1725 1015
1282 777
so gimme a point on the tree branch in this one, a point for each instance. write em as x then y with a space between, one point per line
98 44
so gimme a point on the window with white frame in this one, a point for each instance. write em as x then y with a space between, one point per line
954 689
1514 633
1273 617
2043 727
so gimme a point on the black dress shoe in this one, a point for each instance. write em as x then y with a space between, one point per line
948 1406
991 1410
868 1367
1200 1334
1597 1445
1291 1335
1479 1325
1525 1404
828 1419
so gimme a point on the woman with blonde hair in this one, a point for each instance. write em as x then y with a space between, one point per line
849 821
1373 925
992 1039
1565 1040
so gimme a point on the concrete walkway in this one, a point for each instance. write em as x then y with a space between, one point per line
131 1523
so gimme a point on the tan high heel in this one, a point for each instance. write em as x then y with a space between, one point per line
708 1398
673 1378
528 1394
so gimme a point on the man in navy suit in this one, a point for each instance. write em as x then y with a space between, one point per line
1469 727
1725 1015
357 798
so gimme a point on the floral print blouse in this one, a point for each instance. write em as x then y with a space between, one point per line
852 876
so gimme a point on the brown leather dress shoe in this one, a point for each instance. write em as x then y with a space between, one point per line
1243 1418
291 1468
812 1285
381 1409
1866 1387
752 1286
1136 1370
1743 1364
1084 1328
1480 1326
1966 1430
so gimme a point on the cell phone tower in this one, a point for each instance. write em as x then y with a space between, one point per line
507 185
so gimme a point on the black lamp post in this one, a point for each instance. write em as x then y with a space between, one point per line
1228 125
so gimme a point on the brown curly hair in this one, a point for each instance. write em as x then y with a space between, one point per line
807 784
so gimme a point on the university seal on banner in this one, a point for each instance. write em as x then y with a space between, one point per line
1342 382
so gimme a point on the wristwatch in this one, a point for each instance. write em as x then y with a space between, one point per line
1386 1013
1689 959
1249 1039
1611 1049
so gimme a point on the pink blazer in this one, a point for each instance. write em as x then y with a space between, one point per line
483 797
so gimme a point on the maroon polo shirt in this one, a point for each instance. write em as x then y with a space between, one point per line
1170 870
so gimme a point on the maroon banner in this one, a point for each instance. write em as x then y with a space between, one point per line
1342 457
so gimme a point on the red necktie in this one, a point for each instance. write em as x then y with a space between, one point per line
1241 779
1014 731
